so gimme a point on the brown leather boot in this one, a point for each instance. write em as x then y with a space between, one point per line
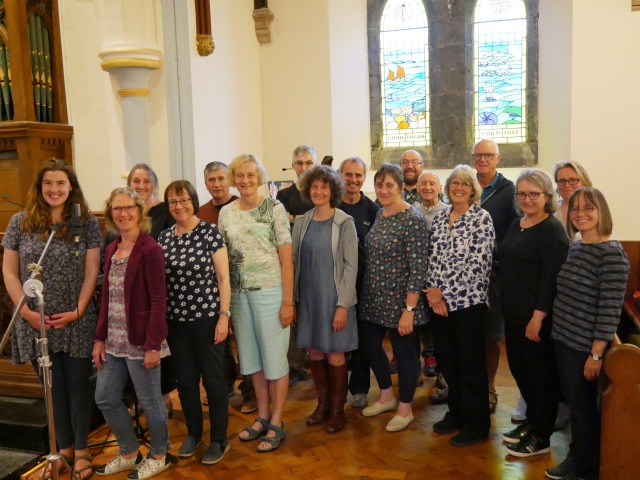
338 394
320 372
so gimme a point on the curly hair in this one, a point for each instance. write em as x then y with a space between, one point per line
37 217
326 175
144 222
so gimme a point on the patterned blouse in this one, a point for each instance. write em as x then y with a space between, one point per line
192 286
460 257
253 237
62 279
117 342
396 249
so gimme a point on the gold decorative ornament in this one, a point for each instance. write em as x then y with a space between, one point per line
205 45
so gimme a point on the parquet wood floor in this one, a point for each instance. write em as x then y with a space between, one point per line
363 450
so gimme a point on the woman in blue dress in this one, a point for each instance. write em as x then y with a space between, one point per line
325 253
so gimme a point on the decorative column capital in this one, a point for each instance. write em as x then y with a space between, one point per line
130 57
263 18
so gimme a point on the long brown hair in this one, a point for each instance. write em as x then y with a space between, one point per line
37 217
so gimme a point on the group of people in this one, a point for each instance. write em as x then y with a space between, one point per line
445 271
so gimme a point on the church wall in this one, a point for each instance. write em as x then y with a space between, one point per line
227 107
94 106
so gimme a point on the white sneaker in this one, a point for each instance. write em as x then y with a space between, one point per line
519 414
150 467
359 400
119 464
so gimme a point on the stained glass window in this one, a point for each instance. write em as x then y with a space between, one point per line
404 63
500 70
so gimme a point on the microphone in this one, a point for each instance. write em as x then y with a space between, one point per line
285 169
76 226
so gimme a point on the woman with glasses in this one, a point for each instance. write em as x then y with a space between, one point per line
460 258
586 313
130 337
531 254
391 302
198 297
569 177
256 229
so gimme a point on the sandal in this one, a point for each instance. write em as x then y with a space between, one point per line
274 442
77 473
253 433
493 401
62 468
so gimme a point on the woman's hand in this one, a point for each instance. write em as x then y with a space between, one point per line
592 368
33 319
61 320
222 329
405 325
434 295
440 308
533 329
287 315
339 319
151 359
99 355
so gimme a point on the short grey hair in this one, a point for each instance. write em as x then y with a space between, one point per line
542 179
466 174
302 149
213 166
356 160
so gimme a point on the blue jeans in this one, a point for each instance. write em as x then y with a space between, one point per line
109 388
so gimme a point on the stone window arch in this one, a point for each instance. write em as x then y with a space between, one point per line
452 119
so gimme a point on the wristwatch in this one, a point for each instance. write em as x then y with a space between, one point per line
596 357
225 312
409 308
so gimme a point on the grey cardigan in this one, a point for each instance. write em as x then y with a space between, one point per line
344 246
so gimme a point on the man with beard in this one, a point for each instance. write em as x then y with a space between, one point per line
363 210
412 166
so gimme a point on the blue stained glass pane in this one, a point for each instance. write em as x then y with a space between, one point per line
404 61
500 51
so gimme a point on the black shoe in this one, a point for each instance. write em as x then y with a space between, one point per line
517 434
297 376
529 446
466 438
441 396
561 470
447 425
430 368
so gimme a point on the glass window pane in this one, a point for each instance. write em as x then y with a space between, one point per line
500 50
404 63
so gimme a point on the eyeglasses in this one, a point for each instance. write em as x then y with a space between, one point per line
571 181
532 195
478 156
126 209
588 209
457 184
413 162
182 201
299 164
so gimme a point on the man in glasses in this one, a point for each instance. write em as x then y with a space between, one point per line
412 166
498 199
304 158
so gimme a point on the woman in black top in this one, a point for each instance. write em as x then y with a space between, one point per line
531 254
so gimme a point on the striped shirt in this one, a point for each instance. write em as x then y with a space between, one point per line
591 288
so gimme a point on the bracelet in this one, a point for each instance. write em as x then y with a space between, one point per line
225 312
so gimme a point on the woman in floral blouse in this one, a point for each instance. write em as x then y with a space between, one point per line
198 296
391 301
256 229
460 258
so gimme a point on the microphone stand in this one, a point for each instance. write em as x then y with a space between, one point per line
34 288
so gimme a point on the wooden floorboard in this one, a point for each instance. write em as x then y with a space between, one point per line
363 450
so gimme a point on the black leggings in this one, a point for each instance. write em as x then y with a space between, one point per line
404 348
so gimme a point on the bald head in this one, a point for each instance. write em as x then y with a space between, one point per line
429 187
412 165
